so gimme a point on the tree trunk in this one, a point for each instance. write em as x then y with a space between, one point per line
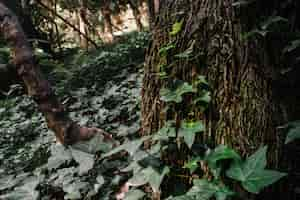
67 131
244 111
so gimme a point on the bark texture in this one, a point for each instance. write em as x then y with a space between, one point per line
243 113
66 131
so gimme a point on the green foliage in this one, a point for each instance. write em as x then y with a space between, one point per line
113 77
294 132
188 130
252 173
175 93
176 28
205 190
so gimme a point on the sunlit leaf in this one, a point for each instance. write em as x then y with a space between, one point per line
192 165
176 28
188 131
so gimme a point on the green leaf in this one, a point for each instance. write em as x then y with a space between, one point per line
292 46
192 165
149 175
176 28
272 20
188 52
223 193
131 147
236 172
256 161
59 156
221 152
167 131
85 160
164 50
201 80
24 192
242 3
293 133
202 189
73 189
252 172
206 98
188 131
8 182
95 144
134 195
260 179
175 94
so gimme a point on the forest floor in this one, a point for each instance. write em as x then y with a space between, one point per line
100 89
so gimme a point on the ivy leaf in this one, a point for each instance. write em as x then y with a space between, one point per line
151 176
188 131
59 156
272 20
176 28
223 193
8 182
236 172
221 152
206 98
164 50
131 147
292 46
175 94
252 172
134 195
242 3
73 189
201 80
167 131
26 191
294 132
85 160
192 165
95 144
256 161
260 179
203 189
188 52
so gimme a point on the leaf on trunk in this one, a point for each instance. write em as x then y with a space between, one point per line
252 172
188 131
175 94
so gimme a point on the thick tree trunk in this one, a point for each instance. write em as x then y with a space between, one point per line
244 113
67 131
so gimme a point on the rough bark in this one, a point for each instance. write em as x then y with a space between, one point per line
66 131
243 113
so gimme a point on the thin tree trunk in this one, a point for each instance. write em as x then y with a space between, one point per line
66 131
69 24
136 14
